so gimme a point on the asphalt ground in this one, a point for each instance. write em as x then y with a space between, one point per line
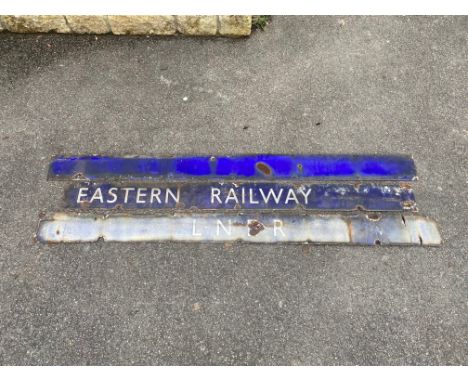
306 85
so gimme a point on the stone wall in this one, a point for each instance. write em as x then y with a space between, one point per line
231 26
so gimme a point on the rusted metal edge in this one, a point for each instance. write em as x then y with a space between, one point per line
239 196
246 167
355 229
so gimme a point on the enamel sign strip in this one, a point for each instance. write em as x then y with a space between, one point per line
248 167
329 199
373 229
266 196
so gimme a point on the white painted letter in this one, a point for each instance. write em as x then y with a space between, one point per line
278 225
140 194
169 192
252 201
219 223
232 195
81 194
155 192
271 193
306 194
97 195
127 190
291 196
194 233
112 192
213 195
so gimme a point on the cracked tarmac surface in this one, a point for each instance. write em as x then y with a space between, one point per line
379 85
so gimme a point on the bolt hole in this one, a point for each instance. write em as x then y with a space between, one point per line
377 242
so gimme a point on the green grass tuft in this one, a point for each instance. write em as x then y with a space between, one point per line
260 22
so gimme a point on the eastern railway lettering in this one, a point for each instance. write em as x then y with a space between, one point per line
244 195
216 196
140 195
219 195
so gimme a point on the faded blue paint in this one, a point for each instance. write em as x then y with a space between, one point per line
252 167
347 197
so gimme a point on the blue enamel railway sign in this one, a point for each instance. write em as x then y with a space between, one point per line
249 167
353 199
236 196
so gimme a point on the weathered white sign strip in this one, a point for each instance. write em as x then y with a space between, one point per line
364 229
264 198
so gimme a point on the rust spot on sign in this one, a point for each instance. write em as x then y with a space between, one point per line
264 168
374 216
255 227
406 186
84 204
408 204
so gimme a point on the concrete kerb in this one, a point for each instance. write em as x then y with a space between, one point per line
229 26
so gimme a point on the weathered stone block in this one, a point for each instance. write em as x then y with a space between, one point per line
35 24
197 25
88 24
160 25
235 25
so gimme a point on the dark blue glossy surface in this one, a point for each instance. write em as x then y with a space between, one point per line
270 196
254 167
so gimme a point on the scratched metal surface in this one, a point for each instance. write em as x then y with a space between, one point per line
361 229
262 166
219 195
